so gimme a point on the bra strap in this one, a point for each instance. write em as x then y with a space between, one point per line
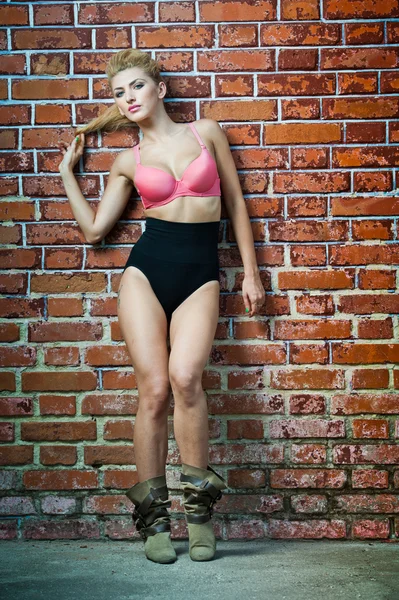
197 135
136 153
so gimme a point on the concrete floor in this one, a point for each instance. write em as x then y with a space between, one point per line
240 570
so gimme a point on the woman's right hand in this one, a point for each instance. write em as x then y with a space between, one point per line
72 153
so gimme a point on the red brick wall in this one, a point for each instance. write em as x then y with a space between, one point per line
303 399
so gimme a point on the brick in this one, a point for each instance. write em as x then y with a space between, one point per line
235 36
296 84
370 502
245 379
311 182
301 108
310 158
369 529
13 65
354 404
306 505
365 132
116 12
389 83
375 328
321 304
236 60
294 60
14 15
360 9
315 428
251 355
245 403
370 378
307 206
364 33
298 9
308 354
308 34
306 454
175 11
244 429
357 83
309 133
363 304
49 431
246 478
359 353
234 10
31 39
314 529
312 329
364 206
311 378
46 88
363 108
305 404
373 230
174 36
369 478
56 64
317 279
59 14
307 478
363 454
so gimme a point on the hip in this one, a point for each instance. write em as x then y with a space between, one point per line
179 242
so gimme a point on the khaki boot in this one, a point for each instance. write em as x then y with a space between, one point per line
201 489
152 519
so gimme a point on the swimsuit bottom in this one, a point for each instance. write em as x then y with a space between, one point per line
177 258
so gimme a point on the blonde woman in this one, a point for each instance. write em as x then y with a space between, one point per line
169 286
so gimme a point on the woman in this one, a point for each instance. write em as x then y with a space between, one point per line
170 285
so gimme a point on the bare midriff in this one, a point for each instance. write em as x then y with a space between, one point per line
188 209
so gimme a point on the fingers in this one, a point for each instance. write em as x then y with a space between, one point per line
251 307
80 138
61 146
247 303
77 143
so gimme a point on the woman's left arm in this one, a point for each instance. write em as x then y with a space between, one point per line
252 288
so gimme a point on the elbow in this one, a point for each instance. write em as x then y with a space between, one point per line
93 236
93 239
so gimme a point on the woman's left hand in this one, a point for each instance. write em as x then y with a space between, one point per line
253 293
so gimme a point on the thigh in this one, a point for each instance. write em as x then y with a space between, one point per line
192 330
143 325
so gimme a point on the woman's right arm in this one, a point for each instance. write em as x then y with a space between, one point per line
95 225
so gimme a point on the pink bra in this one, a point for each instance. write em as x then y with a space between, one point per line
156 187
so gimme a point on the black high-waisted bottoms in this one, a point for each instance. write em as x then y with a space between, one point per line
177 258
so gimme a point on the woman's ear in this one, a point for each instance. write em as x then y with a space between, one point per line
162 92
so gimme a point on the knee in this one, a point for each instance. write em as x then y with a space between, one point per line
154 398
185 382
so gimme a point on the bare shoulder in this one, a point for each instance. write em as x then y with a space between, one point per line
207 126
124 164
212 131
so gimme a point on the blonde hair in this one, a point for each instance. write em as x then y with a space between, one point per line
111 119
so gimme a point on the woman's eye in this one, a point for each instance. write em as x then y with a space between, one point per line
138 85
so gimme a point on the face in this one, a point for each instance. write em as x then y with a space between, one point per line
133 86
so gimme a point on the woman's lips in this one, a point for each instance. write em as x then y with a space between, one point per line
133 108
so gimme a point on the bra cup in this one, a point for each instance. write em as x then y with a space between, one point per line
158 186
200 175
